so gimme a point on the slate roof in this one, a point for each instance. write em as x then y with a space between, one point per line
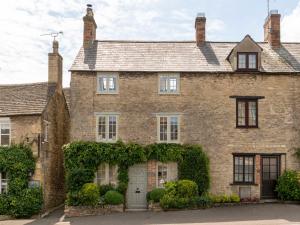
26 99
178 56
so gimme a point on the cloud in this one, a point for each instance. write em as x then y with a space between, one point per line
290 26
24 51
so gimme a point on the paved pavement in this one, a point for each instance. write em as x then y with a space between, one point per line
265 214
51 219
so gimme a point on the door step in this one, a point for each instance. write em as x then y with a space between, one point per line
269 201
136 210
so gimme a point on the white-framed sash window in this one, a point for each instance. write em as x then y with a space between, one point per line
106 174
107 83
169 84
106 127
166 172
5 131
168 128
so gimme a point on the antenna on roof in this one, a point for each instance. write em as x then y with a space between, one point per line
268 2
53 34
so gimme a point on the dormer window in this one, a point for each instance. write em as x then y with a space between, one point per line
247 61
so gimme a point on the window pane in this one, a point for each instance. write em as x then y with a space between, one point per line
112 128
173 84
238 165
4 140
174 128
113 171
163 84
252 114
4 182
249 167
101 127
162 173
163 126
4 128
252 61
112 81
241 113
242 61
100 174
103 84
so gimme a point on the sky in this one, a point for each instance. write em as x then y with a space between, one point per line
24 49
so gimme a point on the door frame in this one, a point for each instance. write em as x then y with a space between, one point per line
278 155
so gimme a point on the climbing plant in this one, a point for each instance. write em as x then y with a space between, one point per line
20 201
83 158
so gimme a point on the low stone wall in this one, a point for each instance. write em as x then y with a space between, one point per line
154 207
76 211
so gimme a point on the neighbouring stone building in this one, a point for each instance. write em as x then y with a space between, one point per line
239 100
37 115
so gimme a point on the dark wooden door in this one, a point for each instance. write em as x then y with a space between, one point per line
270 172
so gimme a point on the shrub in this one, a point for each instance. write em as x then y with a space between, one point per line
113 198
187 188
179 194
73 198
89 195
234 198
105 188
27 203
202 202
174 202
195 167
225 198
156 194
288 186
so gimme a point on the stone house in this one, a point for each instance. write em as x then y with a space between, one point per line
37 115
239 100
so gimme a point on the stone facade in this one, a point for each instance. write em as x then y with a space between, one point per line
26 130
56 117
39 117
207 116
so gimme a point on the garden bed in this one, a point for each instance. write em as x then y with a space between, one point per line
77 211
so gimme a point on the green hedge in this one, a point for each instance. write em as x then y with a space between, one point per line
17 162
83 158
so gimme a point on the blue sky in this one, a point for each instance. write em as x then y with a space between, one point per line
23 55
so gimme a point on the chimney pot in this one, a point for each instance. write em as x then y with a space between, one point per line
200 28
55 46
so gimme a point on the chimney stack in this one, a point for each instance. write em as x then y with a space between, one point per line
55 63
90 26
272 29
200 29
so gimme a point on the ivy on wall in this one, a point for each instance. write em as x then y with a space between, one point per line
83 158
18 163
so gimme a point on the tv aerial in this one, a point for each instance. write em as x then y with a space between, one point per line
53 34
